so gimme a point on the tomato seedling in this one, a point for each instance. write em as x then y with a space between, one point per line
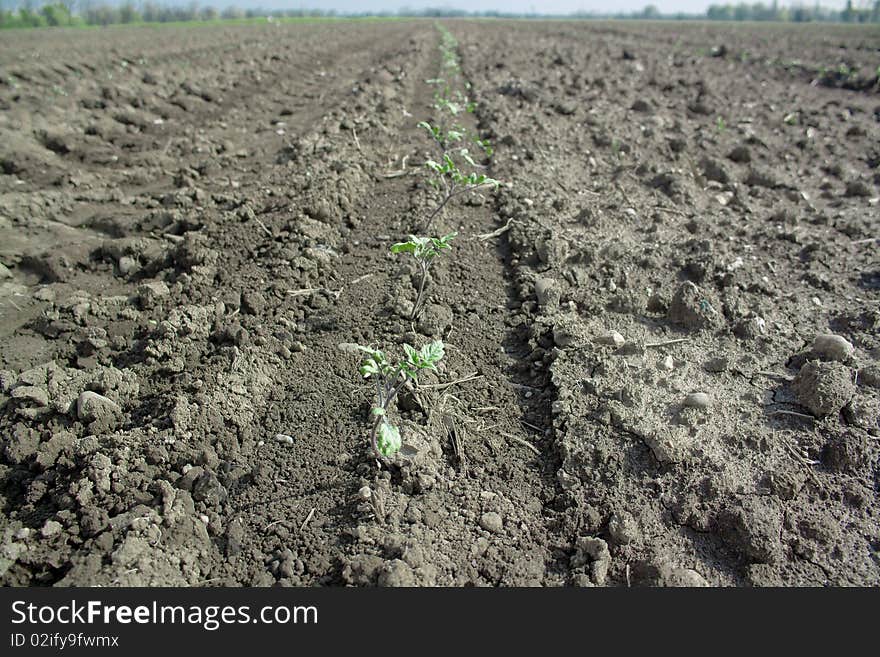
390 378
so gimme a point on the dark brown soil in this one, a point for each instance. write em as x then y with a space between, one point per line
193 221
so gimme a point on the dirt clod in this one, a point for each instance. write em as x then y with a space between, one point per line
692 309
833 347
90 406
492 522
824 388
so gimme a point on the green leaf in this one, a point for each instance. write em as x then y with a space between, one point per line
431 353
388 439
466 155
434 166
403 247
441 243
410 352
377 411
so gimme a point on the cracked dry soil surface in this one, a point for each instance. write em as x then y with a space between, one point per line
194 219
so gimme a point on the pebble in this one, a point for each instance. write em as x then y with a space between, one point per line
697 400
128 265
666 364
716 365
90 406
51 528
491 522
365 493
149 293
546 292
833 347
613 339
283 438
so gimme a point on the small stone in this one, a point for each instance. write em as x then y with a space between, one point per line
128 265
23 534
833 347
491 522
824 388
150 293
4 271
613 339
284 439
697 400
37 396
716 365
365 493
666 364
91 406
547 292
51 528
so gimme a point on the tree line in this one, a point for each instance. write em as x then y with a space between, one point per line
799 13
60 13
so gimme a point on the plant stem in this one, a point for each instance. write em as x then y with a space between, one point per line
449 194
386 391
417 308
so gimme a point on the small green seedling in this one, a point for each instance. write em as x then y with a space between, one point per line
449 136
424 250
390 379
452 181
